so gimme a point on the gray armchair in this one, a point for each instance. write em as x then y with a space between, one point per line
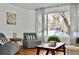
8 48
30 40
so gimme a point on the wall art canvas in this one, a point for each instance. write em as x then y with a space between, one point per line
11 18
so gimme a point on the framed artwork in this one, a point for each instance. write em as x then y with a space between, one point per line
11 18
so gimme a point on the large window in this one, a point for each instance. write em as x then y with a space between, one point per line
59 19
49 23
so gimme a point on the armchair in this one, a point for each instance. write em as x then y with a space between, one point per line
8 48
30 40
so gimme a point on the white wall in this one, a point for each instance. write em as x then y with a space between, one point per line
25 20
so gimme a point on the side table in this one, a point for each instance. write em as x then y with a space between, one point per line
15 39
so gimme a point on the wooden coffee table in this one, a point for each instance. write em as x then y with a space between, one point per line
45 46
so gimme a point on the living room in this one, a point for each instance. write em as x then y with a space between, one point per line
18 19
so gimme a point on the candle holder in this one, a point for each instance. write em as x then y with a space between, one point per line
14 35
52 43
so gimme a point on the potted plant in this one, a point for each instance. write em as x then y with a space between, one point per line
52 40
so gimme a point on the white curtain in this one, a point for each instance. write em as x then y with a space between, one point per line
40 24
74 23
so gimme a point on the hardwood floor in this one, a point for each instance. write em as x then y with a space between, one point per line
32 51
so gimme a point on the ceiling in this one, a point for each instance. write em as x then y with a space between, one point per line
37 5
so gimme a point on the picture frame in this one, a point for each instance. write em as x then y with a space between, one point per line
11 18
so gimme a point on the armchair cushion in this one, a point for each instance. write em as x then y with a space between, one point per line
30 36
3 39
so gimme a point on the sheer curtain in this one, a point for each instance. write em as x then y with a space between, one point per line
73 49
74 23
39 27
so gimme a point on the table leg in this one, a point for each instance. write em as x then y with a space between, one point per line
47 52
38 51
64 49
53 52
